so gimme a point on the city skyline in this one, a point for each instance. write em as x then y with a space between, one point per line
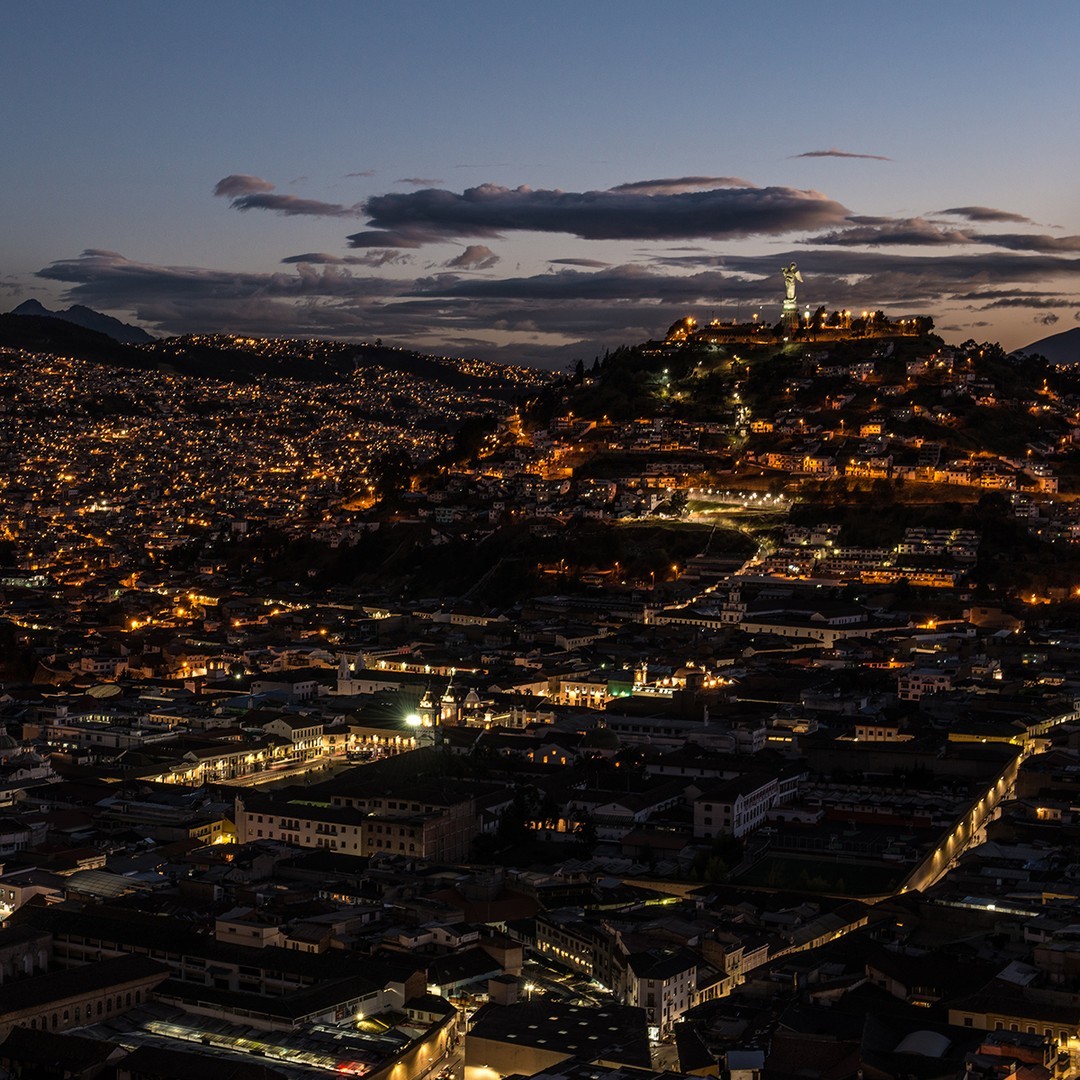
539 185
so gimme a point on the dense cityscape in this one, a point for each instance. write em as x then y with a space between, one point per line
539 542
435 717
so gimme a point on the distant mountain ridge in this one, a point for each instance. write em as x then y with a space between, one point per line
89 320
44 334
1063 348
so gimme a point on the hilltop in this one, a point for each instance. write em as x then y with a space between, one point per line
970 398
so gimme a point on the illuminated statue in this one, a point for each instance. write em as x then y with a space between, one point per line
789 316
791 275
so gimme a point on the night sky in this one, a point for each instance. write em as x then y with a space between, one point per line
538 182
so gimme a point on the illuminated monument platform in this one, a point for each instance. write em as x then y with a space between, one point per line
841 325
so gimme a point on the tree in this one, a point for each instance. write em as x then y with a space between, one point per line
679 501
469 437
714 863
585 836
513 829
391 474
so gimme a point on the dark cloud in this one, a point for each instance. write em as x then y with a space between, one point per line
395 239
593 264
362 172
417 181
475 257
681 184
910 231
1045 320
985 213
1024 301
374 257
253 193
877 231
107 279
966 270
489 210
293 206
619 283
322 257
995 294
833 152
236 184
1028 242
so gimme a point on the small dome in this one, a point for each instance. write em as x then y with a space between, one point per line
931 1044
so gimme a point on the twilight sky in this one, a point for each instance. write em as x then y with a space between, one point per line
538 182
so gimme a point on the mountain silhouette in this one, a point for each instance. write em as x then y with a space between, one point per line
1063 348
44 334
89 320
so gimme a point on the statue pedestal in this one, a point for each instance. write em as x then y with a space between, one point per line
789 317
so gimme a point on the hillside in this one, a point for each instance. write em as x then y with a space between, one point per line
45 334
857 410
237 359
